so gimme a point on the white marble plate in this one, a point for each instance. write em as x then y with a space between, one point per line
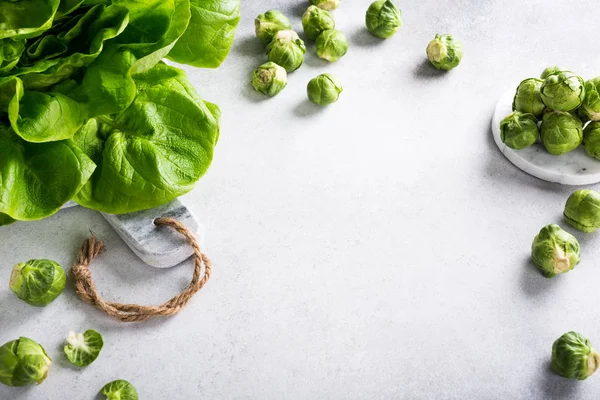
573 168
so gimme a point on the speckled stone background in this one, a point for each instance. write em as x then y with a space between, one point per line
376 249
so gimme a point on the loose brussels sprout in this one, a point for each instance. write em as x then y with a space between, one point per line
528 98
445 52
38 282
550 70
269 79
23 362
573 356
561 132
326 4
286 49
519 130
268 24
323 90
582 210
331 45
83 349
563 91
591 140
120 390
383 18
555 251
315 21
590 108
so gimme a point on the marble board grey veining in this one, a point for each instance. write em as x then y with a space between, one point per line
157 246
573 168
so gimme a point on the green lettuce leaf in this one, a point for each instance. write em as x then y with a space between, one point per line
154 27
82 44
10 53
37 179
209 35
153 151
26 19
40 117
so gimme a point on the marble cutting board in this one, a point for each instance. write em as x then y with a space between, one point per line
157 246
573 168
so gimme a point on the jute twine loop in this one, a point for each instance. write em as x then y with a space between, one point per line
87 291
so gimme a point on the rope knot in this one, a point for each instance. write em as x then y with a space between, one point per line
81 272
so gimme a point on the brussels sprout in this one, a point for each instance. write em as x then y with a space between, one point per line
83 349
550 70
383 18
519 130
590 107
573 356
38 282
315 21
554 251
23 362
286 49
528 98
120 390
561 132
269 79
323 90
591 140
326 4
563 91
331 45
268 24
582 210
445 52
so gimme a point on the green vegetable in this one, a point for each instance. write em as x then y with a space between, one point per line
88 112
582 210
10 53
528 98
209 35
563 91
269 79
550 70
23 362
383 18
148 154
573 356
119 390
445 52
323 90
315 21
83 349
38 178
287 50
326 4
591 139
590 107
555 251
268 24
38 282
561 132
331 45
24 20
519 130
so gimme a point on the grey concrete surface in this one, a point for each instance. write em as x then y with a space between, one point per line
376 249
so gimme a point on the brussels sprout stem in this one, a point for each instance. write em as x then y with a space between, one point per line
593 362
561 265
14 275
435 52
